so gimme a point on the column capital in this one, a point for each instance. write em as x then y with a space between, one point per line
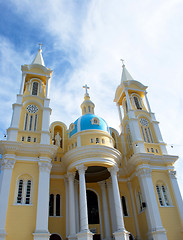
145 172
81 169
102 184
71 176
173 174
45 167
7 164
113 170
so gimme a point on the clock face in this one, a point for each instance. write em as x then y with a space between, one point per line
144 122
32 108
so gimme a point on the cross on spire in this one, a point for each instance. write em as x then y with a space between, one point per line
40 46
86 88
122 62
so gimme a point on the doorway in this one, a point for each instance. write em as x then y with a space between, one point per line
55 237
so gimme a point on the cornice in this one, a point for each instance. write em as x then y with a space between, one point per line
92 153
27 148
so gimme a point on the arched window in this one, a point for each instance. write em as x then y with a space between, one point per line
139 200
26 119
20 191
124 206
137 102
35 88
126 106
146 131
128 137
24 190
51 205
89 109
58 205
55 205
162 195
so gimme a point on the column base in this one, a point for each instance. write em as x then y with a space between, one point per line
157 234
72 237
2 234
85 235
41 235
121 235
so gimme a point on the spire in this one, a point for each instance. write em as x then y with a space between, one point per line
39 58
125 74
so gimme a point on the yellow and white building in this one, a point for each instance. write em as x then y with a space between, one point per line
87 181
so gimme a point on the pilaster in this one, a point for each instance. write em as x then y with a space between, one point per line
121 233
84 233
7 165
105 211
177 194
72 216
41 232
156 230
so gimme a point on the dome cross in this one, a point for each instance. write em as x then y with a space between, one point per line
86 88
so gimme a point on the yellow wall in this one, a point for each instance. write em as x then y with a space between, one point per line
58 224
169 215
21 219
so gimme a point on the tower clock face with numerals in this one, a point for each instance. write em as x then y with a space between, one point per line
32 108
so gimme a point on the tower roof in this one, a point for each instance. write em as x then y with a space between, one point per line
125 75
39 58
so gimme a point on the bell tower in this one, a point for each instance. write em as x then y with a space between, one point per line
140 130
31 112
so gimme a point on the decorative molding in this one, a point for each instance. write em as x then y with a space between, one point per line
7 164
44 167
144 172
173 174
71 176
81 169
113 170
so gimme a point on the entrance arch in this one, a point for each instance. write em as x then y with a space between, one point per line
55 237
93 211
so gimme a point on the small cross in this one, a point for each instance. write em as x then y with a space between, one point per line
40 45
86 87
122 61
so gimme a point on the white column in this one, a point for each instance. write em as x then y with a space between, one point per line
84 233
121 233
76 204
105 211
128 100
7 165
72 217
22 83
48 87
41 231
120 115
13 129
156 230
45 134
134 211
66 204
147 102
177 194
111 206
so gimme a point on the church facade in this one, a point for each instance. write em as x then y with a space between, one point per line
87 181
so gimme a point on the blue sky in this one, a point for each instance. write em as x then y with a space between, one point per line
83 42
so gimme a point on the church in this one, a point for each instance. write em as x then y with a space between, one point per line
86 181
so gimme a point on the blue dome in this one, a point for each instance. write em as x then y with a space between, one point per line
89 122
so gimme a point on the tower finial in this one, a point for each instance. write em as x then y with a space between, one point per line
122 60
86 88
40 46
